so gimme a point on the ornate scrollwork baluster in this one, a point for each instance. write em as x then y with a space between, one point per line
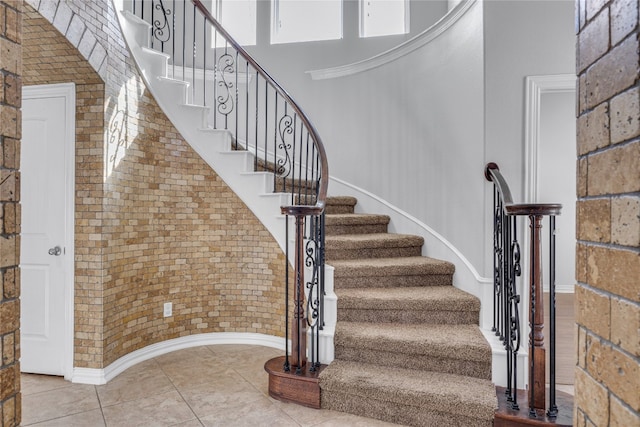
225 99
161 29
284 165
314 300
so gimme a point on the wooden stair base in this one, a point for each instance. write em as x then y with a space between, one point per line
507 417
302 389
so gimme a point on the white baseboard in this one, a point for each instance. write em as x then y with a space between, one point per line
103 376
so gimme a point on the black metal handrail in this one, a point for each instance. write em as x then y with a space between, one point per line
264 119
295 209
506 313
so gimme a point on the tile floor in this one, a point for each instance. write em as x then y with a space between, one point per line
222 385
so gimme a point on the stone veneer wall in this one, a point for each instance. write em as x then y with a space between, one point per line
607 379
10 133
153 222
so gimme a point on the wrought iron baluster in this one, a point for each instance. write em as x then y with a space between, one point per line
514 321
193 58
236 105
287 365
275 143
300 166
173 41
246 113
256 119
204 60
553 408
184 39
216 70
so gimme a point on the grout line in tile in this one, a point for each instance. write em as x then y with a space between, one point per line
104 420
180 393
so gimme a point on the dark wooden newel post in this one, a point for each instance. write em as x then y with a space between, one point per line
537 358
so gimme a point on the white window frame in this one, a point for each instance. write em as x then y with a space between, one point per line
275 20
362 21
218 9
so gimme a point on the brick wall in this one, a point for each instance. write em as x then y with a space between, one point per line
10 133
153 222
608 218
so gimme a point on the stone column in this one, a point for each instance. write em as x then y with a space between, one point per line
608 215
10 130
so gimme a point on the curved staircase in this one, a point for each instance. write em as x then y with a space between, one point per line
407 344
408 348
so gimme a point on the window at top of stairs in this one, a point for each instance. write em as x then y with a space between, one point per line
303 21
383 17
239 18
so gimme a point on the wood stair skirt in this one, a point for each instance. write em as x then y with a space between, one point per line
408 348
507 417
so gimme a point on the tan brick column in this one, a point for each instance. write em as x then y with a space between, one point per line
608 215
10 129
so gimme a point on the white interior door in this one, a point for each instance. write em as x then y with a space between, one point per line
46 251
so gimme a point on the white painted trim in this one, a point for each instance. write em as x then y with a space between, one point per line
466 276
536 86
103 376
67 91
186 74
399 51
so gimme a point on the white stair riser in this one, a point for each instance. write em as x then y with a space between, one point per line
153 64
176 89
137 30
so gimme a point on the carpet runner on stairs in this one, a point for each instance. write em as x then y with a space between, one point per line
408 349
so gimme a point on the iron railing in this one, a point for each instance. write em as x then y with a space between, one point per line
263 119
506 312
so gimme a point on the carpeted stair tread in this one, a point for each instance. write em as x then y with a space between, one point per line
350 223
391 267
374 245
442 348
417 304
374 240
341 200
340 204
454 341
430 392
356 219
446 298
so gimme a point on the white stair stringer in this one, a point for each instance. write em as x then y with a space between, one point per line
235 168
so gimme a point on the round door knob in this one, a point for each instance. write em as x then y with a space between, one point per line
55 251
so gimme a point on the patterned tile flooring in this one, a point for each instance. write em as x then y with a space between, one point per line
221 385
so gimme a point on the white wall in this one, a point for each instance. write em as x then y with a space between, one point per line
418 132
408 130
522 38
557 152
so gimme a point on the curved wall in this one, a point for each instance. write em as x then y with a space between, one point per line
418 131
410 131
154 223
